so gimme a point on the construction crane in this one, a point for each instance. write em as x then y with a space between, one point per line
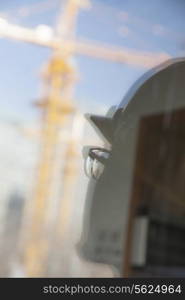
57 105
43 35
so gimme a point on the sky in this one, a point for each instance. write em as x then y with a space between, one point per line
154 26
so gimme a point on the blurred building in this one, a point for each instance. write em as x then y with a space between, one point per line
11 233
18 154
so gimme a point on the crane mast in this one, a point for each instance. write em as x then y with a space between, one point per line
58 106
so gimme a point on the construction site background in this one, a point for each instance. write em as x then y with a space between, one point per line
50 76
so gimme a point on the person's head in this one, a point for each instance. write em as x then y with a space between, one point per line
138 174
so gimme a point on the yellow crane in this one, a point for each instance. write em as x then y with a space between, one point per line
59 76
